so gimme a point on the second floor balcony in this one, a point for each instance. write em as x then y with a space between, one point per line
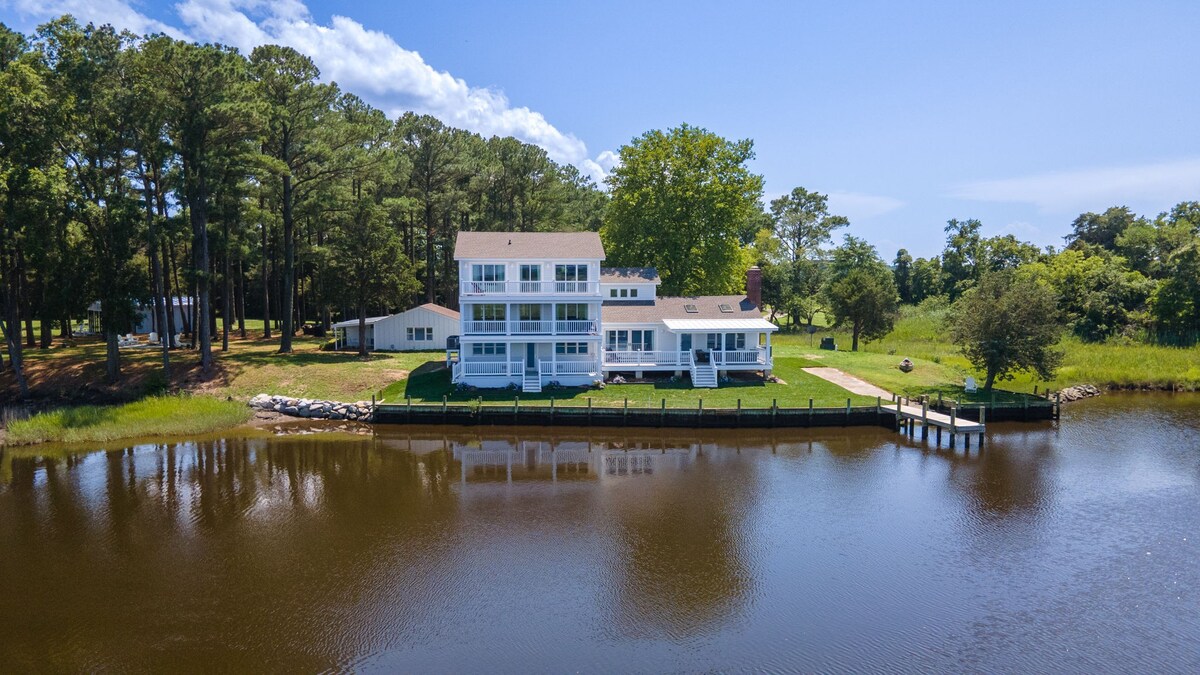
532 327
572 288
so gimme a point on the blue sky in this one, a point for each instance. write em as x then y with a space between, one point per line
907 114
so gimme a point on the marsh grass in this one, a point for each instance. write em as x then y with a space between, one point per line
152 416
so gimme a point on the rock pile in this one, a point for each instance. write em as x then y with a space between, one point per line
313 408
1079 392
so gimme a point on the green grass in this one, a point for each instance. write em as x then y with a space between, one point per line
432 381
920 335
153 416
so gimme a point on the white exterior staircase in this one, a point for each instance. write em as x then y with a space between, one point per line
531 382
704 375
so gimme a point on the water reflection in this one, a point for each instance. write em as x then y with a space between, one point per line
517 549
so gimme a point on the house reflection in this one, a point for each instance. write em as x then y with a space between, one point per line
565 459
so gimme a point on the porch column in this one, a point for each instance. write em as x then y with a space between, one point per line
767 356
554 318
553 358
508 318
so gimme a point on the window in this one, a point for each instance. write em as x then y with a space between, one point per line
612 292
487 272
570 272
531 272
691 309
734 341
488 349
419 334
714 341
624 292
633 292
572 312
618 340
487 312
571 348
529 312
725 308
641 340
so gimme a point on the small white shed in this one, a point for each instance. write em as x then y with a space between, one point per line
420 328
146 322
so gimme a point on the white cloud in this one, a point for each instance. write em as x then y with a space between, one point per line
859 206
367 62
116 12
1092 189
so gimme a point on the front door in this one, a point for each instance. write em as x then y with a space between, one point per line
530 356
685 342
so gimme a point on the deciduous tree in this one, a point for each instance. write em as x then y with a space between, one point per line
680 201
1008 323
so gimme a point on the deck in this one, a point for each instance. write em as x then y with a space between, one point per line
908 416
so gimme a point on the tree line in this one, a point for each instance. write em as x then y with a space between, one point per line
685 201
135 169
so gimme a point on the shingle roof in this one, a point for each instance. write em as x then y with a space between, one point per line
707 307
611 275
528 246
438 309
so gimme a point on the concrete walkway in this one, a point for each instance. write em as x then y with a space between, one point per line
849 382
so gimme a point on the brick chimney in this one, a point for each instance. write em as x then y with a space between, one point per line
754 286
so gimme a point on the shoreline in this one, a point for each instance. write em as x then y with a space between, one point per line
264 419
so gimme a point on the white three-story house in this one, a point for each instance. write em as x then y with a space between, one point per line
538 308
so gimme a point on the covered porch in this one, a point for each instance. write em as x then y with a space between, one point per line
570 362
688 344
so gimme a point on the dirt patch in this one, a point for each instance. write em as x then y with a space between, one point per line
848 382
266 418
394 375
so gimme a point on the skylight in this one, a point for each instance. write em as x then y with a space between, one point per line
725 308
691 309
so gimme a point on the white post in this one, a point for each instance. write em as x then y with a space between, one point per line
767 356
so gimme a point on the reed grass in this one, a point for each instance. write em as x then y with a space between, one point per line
152 416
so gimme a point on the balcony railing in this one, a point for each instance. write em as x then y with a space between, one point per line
531 327
551 369
741 357
683 359
650 358
490 368
468 288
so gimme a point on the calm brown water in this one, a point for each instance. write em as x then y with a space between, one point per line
1058 548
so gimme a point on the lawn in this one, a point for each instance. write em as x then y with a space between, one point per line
940 367
75 372
431 382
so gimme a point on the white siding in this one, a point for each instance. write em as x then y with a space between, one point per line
392 333
643 291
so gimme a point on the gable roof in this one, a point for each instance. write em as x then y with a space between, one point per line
707 307
353 323
438 309
611 275
528 246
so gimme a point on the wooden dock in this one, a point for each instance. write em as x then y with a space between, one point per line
908 415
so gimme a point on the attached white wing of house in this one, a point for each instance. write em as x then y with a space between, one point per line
539 308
